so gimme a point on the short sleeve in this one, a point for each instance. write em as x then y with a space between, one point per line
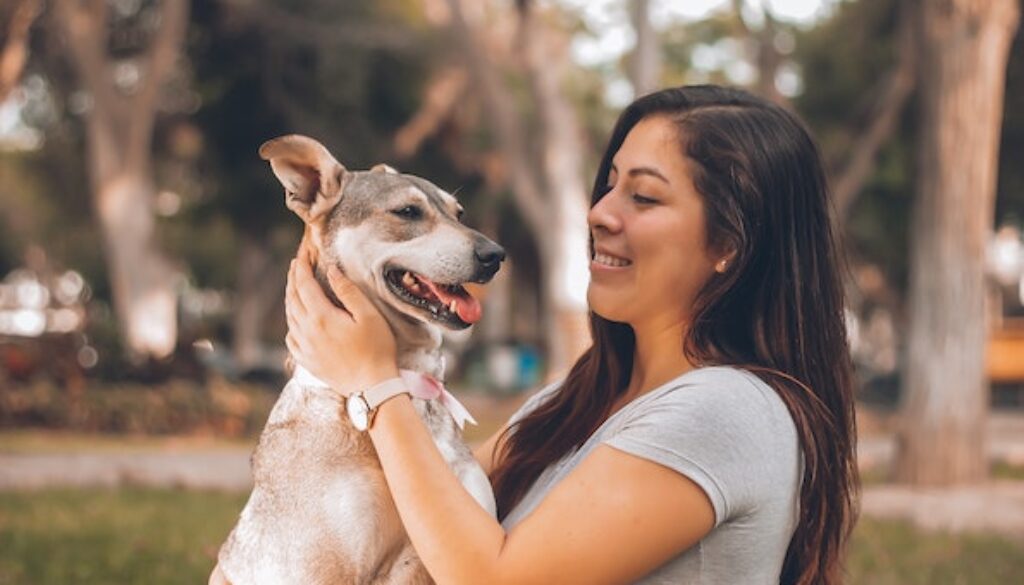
724 429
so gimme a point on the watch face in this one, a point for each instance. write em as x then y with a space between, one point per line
358 412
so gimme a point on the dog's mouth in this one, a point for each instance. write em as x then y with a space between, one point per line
449 304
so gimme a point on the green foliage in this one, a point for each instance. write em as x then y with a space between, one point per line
843 61
167 536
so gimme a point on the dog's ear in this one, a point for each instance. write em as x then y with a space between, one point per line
383 168
313 179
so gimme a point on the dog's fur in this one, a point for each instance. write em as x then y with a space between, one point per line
320 510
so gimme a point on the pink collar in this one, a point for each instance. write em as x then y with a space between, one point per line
429 388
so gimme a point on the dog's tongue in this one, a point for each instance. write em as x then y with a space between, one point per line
466 307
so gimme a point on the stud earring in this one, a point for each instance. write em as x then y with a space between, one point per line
720 267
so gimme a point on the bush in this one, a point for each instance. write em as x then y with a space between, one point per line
177 406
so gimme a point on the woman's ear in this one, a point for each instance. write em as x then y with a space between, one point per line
725 262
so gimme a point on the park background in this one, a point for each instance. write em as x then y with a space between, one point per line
144 244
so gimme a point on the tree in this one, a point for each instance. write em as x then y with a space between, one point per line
645 62
14 52
124 96
550 191
963 55
344 72
763 45
893 93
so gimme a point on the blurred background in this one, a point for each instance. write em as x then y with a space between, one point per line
144 244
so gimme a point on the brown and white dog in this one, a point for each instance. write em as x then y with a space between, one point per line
320 510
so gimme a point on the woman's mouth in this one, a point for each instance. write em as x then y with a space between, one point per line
610 261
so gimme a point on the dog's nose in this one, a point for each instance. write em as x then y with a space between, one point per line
489 253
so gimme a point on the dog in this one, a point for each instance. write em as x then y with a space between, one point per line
320 510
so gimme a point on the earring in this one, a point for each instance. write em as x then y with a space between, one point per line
720 267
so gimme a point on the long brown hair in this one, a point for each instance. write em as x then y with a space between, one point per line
777 312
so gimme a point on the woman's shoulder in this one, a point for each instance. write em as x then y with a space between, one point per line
720 396
722 427
719 384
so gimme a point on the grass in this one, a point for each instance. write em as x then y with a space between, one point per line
112 536
891 553
1000 471
161 537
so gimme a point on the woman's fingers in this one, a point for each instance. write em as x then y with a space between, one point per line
310 293
345 349
289 341
291 291
349 294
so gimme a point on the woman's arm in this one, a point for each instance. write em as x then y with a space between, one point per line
613 519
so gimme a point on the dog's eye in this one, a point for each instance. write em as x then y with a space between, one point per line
409 212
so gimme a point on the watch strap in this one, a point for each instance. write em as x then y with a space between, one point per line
384 391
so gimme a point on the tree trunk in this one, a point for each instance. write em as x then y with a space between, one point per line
645 62
566 238
963 57
761 43
260 285
119 138
549 191
141 281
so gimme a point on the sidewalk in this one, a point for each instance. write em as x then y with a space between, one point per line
996 506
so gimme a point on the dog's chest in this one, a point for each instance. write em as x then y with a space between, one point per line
320 505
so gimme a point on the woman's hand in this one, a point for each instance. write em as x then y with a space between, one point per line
352 348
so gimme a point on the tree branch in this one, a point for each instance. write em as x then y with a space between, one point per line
86 30
893 92
326 34
158 62
645 62
15 51
439 100
526 188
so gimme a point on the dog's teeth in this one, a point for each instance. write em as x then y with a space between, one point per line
451 307
408 280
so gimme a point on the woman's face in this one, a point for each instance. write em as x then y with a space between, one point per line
650 258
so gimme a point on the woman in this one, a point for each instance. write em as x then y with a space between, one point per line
707 435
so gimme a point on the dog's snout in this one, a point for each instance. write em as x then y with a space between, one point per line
489 253
488 259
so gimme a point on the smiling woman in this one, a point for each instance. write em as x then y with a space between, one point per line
707 435
649 217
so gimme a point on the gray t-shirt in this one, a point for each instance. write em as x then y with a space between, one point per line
730 433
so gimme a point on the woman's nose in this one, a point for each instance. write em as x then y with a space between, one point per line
604 215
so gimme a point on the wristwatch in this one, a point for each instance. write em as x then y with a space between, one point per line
362 406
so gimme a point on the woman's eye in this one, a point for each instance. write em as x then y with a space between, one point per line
642 200
408 212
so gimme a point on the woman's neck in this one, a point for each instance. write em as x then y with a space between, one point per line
658 357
